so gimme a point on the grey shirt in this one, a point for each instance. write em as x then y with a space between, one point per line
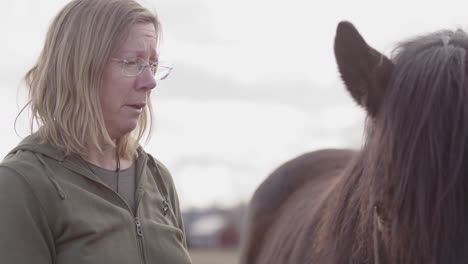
126 181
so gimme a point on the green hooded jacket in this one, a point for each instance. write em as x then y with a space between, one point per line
54 210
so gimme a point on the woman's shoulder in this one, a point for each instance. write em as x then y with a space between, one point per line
161 175
30 153
157 166
156 162
21 162
28 163
22 173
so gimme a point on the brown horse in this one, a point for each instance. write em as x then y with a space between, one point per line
403 198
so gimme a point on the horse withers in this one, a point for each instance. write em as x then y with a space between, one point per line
401 199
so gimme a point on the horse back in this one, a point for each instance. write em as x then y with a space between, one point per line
317 168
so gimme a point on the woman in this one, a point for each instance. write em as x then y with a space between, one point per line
81 189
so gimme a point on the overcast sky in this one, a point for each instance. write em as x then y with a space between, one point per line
254 84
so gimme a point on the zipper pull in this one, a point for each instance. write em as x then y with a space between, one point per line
165 205
138 227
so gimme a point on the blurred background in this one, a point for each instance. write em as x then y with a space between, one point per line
254 85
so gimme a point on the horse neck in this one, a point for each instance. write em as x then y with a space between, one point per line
345 230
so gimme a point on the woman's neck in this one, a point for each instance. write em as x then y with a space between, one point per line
107 159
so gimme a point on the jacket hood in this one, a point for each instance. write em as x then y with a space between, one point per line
41 149
35 144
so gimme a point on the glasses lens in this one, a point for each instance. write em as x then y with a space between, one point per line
164 68
162 72
133 66
154 68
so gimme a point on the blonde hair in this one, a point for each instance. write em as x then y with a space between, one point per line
65 81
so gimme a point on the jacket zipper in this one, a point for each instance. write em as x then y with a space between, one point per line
139 230
139 233
137 222
138 227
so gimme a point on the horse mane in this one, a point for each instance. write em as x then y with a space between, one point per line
349 218
419 155
413 164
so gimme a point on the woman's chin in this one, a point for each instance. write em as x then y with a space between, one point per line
123 129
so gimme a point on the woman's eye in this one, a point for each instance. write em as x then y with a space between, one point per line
130 62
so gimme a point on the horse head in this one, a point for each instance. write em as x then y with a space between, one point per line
416 151
403 198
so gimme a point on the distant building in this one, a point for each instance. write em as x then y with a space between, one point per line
212 228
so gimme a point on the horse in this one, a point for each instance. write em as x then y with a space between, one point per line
402 198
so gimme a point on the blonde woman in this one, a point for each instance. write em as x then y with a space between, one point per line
81 189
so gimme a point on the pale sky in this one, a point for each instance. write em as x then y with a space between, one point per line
254 84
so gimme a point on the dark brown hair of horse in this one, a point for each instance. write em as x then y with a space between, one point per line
414 164
419 150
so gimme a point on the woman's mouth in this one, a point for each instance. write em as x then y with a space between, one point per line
137 107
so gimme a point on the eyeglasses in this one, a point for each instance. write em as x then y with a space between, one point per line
135 66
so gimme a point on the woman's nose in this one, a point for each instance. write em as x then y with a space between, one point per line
146 80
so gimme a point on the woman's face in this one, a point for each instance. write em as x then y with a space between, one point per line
124 98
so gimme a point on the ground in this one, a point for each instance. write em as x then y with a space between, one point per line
214 256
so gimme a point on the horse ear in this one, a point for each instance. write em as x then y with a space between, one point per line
364 70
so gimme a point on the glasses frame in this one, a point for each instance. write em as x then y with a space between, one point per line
154 68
